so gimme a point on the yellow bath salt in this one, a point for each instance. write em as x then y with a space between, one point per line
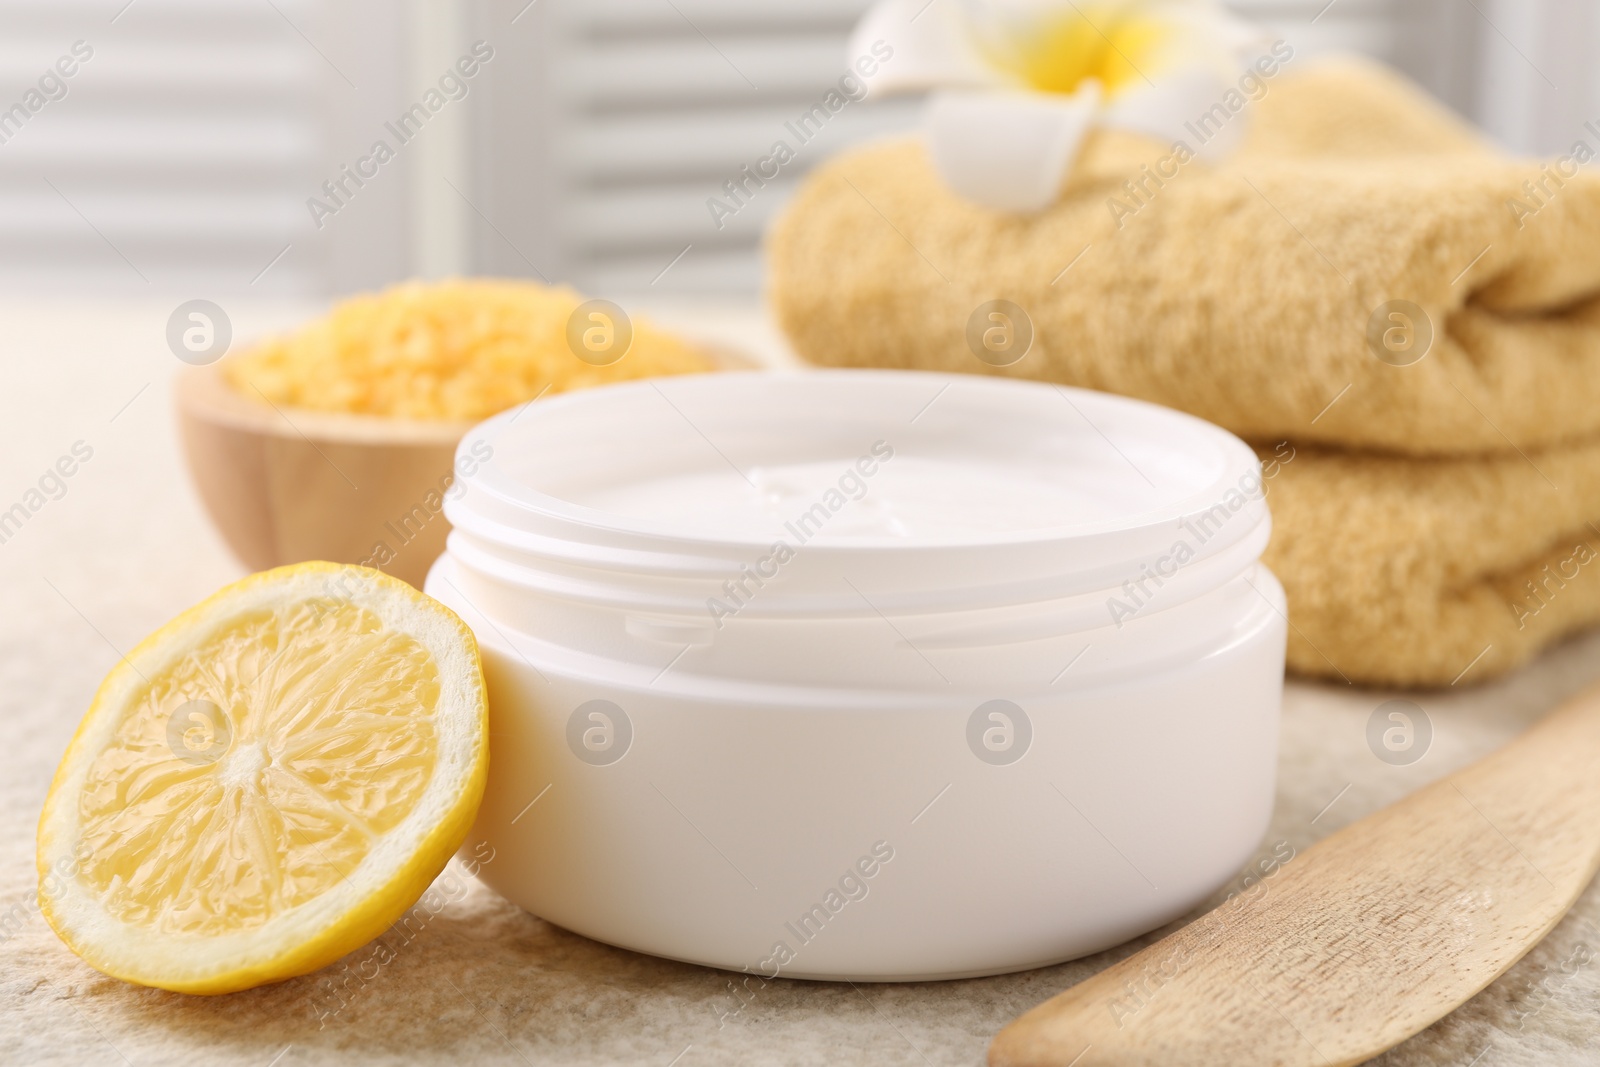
455 350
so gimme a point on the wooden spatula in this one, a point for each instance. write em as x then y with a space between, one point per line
1363 939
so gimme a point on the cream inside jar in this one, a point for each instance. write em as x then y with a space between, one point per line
911 498
748 628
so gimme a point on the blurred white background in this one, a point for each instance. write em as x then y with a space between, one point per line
180 156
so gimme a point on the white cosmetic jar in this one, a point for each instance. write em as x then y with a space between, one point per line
874 675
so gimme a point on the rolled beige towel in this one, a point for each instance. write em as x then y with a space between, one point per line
1426 572
1242 292
1441 518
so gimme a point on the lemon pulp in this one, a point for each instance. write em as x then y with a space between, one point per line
256 773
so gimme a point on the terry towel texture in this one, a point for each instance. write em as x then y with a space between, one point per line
1423 498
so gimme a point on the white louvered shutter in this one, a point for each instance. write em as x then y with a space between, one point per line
1372 27
180 156
646 107
652 105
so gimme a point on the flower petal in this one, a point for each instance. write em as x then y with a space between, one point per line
1186 105
1193 95
916 45
1054 46
1208 27
1006 150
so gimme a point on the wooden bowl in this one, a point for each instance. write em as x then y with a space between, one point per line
289 484
286 484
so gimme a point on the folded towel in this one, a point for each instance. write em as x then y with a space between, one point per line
1442 512
1420 572
1241 292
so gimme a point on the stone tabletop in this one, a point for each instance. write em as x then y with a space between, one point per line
122 545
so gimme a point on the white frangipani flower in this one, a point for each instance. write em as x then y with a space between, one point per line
1017 84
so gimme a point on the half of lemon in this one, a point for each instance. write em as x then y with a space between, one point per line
267 782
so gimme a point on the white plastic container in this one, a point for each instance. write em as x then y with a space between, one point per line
1006 695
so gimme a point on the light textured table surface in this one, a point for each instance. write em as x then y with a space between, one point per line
127 546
